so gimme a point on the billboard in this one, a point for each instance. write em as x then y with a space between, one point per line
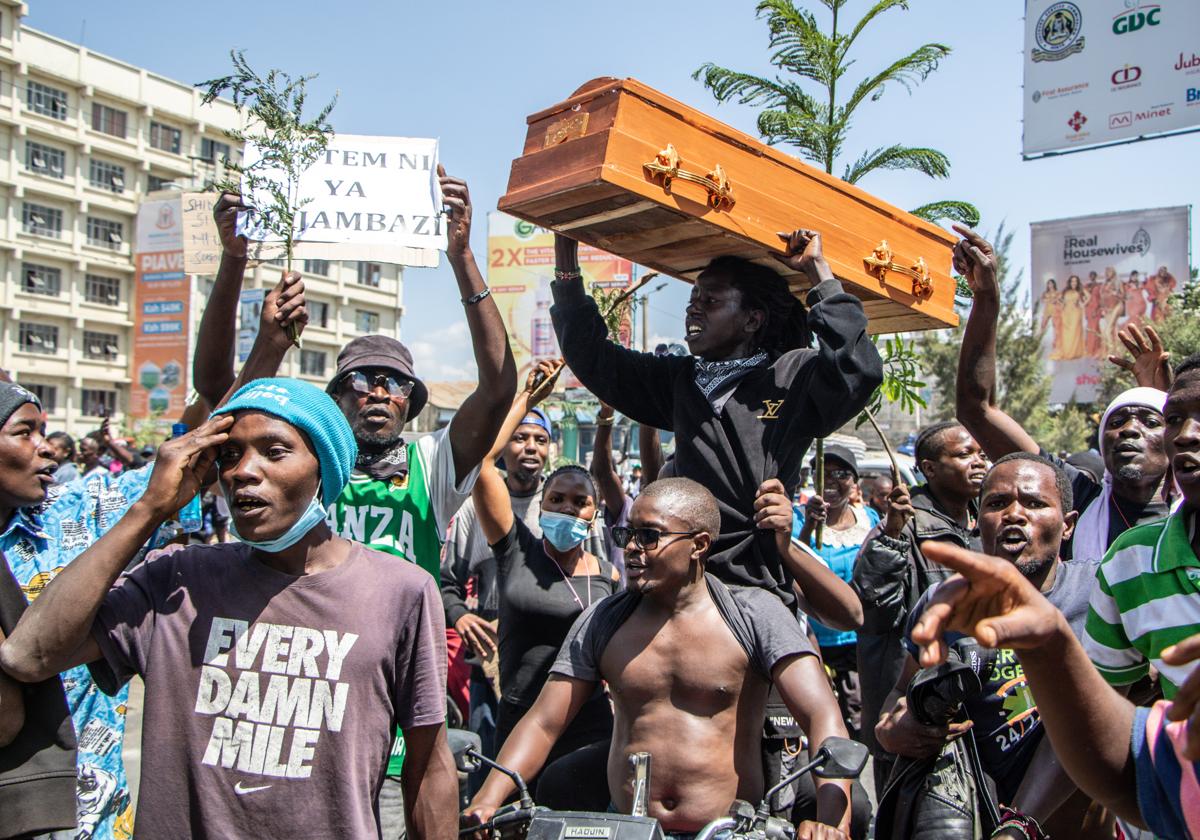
520 268
162 312
1106 71
1092 275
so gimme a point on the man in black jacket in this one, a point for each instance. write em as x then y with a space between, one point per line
891 573
749 401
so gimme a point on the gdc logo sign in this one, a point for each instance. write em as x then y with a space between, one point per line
1136 17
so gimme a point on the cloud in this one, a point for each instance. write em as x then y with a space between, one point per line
443 355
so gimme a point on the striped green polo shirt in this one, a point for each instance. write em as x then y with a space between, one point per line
1146 598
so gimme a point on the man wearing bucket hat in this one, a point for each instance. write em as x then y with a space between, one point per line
270 706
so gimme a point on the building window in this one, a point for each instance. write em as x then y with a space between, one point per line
165 138
318 313
38 338
97 402
47 395
100 289
100 346
104 233
155 183
214 151
312 363
107 176
45 160
108 120
367 322
42 220
369 274
45 100
41 279
320 267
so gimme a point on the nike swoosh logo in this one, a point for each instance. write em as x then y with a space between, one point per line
242 791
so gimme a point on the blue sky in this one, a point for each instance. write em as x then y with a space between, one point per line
470 72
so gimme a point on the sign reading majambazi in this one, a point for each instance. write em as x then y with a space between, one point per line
1103 71
1092 275
363 197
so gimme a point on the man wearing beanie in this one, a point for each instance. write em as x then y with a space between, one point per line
276 668
402 494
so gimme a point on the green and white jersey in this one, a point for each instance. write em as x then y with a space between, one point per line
1146 598
407 517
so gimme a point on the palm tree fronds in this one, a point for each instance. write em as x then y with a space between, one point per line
962 212
745 88
906 71
933 163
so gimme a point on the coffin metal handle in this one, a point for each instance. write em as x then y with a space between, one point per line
882 260
716 183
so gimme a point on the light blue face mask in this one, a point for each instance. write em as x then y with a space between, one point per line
562 530
311 518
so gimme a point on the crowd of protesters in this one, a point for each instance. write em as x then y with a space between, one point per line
1012 638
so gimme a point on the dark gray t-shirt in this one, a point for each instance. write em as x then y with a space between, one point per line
766 630
271 700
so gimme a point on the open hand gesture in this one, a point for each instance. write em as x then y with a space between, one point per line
804 254
225 213
988 599
183 463
457 199
975 259
1150 365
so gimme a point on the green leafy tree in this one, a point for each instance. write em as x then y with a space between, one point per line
288 143
1022 384
806 106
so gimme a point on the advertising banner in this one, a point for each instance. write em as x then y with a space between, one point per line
1092 275
373 197
162 317
1105 71
520 268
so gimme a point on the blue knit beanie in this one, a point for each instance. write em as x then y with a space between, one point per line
313 412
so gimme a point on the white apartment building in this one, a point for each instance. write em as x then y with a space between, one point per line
83 137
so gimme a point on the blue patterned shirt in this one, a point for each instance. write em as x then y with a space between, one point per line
38 542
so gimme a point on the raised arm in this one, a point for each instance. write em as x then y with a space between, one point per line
603 470
837 383
975 387
650 445
54 634
1089 724
636 384
117 447
474 428
880 570
831 599
216 341
1151 364
531 740
493 505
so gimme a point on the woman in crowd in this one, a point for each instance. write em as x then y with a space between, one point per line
846 528
544 583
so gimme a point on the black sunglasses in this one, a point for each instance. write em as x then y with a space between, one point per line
646 538
364 383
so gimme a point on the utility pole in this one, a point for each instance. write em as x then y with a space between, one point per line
645 323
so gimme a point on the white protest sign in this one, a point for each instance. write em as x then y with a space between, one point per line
377 197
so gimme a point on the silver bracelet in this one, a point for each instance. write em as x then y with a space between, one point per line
475 298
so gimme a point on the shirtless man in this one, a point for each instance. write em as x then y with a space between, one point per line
689 665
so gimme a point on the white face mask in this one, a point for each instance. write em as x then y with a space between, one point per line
313 516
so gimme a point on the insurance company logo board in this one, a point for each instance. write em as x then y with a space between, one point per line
1120 64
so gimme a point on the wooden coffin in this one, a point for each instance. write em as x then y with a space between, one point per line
622 167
